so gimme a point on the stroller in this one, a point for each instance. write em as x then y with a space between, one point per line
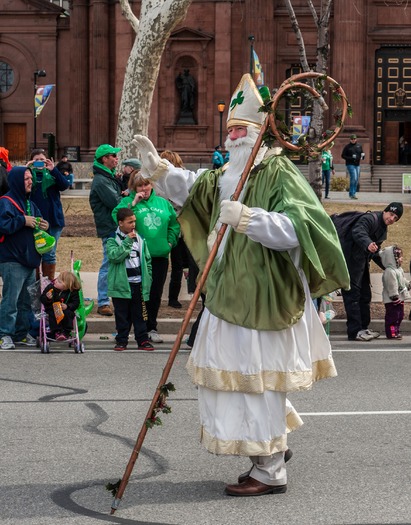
79 321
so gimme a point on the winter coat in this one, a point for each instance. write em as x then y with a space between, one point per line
50 206
348 154
368 228
156 222
105 194
118 284
71 299
394 284
18 244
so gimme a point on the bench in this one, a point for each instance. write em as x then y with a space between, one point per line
82 184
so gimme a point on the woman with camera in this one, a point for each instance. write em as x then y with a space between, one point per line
48 182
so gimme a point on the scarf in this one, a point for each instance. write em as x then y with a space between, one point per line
104 168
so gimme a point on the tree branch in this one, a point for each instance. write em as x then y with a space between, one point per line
313 11
299 36
129 15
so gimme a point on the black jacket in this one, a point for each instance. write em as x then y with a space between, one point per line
368 228
352 154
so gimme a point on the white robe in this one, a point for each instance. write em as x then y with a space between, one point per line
238 370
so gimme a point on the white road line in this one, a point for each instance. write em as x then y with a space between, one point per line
359 350
369 413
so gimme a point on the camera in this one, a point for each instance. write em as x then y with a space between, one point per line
39 163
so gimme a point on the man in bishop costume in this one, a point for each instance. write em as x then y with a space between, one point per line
260 337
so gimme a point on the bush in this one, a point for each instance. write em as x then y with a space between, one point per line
339 184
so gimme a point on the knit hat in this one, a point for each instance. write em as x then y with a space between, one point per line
134 163
395 207
353 136
105 149
244 105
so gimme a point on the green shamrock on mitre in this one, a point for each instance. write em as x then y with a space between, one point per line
239 99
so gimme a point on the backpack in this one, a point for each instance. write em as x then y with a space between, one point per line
344 222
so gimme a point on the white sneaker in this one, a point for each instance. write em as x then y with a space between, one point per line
7 343
154 337
373 333
29 340
363 335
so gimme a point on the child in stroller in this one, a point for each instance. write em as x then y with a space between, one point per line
61 299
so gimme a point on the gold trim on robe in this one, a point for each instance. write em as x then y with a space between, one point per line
234 381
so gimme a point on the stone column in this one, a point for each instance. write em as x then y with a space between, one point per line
79 75
99 70
348 62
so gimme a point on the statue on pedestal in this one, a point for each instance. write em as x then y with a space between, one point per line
186 86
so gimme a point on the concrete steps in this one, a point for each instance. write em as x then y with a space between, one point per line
381 179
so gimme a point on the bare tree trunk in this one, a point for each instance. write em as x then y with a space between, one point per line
322 22
158 18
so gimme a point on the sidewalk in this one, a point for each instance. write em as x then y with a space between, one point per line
168 327
336 196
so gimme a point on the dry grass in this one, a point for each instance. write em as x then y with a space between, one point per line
88 248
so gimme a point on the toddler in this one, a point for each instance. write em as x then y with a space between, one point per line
394 291
61 300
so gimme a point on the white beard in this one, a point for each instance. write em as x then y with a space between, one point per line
240 151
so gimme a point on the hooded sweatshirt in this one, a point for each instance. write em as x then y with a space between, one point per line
18 244
395 285
156 222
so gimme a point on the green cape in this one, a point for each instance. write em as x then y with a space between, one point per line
254 286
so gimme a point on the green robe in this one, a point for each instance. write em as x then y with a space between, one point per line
254 286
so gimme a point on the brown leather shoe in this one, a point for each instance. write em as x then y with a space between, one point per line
252 487
105 310
288 454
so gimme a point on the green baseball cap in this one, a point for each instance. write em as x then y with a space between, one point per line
105 149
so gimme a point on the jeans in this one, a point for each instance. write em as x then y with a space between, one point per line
354 172
15 306
102 284
50 257
326 178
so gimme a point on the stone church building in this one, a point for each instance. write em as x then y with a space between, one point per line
82 47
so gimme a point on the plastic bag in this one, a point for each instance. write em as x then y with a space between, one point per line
35 291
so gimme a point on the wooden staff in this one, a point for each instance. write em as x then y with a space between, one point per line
269 121
186 320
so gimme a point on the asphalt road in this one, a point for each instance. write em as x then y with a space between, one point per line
69 421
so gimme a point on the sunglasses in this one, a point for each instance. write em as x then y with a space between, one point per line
111 155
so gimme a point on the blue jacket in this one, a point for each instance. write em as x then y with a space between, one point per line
50 206
18 244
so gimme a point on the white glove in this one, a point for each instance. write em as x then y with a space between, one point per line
149 156
235 214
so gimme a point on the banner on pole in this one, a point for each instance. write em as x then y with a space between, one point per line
41 97
258 73
300 127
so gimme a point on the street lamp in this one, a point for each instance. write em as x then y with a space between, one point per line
37 73
221 108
